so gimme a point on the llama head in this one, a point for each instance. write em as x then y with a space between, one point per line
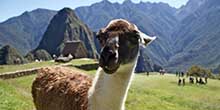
120 42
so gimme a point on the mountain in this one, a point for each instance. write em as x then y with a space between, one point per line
144 63
9 55
189 8
152 18
197 38
66 26
25 31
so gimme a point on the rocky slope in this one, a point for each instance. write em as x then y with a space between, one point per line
25 31
197 39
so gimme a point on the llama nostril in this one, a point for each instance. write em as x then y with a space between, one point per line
113 55
108 55
111 51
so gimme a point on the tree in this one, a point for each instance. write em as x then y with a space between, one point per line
198 71
30 57
194 71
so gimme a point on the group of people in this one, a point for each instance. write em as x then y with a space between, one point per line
162 71
197 80
181 78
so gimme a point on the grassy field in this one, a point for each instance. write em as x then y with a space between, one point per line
15 94
152 92
162 93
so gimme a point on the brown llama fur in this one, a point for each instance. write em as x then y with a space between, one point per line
60 88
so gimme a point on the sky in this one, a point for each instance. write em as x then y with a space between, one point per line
11 8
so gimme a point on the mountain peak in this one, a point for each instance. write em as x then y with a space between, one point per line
189 8
127 2
141 2
68 12
7 47
65 10
42 10
106 2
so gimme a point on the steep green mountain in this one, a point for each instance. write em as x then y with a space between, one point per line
9 55
66 26
197 39
152 18
25 31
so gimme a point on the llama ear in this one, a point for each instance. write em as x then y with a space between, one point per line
145 39
100 32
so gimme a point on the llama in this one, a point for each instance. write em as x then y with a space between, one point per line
120 42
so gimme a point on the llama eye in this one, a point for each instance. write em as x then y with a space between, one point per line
102 41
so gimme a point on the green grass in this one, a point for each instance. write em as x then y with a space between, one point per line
15 94
162 93
146 93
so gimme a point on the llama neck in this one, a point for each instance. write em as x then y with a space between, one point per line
109 92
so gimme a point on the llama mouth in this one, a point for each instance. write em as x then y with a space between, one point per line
110 66
110 70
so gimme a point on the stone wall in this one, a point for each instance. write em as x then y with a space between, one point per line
88 67
17 74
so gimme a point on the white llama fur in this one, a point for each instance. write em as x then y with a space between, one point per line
109 92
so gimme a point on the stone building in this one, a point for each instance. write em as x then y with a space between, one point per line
74 48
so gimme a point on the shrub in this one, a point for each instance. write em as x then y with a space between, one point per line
30 57
198 71
9 55
42 55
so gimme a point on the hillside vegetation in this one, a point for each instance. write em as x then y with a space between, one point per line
9 55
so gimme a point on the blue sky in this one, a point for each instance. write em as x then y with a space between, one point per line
10 8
